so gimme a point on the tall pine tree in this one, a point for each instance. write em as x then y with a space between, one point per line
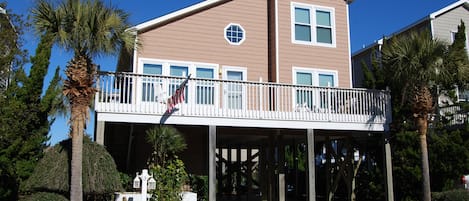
25 119
458 62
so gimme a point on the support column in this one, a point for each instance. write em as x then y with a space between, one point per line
311 166
388 167
99 137
212 163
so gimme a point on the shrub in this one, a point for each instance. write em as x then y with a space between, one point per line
453 195
199 185
169 180
43 196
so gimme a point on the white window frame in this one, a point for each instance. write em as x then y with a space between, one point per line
166 65
313 24
315 72
244 70
228 40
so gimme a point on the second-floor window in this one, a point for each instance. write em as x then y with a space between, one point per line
313 25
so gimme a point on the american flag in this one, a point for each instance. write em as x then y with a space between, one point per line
178 96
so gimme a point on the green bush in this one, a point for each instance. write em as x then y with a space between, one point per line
453 195
199 185
43 196
169 180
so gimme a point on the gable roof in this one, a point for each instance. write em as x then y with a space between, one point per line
448 8
429 17
178 14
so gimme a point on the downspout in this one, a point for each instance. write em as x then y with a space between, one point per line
349 47
277 68
134 67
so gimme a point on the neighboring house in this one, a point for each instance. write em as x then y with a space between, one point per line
5 45
443 25
269 109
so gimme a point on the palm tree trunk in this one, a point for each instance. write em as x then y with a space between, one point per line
422 125
76 187
79 89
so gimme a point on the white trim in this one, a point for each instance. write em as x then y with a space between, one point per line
228 40
167 63
277 44
432 31
349 48
313 24
244 70
447 8
315 74
236 122
134 70
170 16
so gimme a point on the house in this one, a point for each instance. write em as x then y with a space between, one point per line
6 29
269 112
443 25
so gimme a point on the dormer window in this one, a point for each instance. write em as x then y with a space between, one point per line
312 25
234 34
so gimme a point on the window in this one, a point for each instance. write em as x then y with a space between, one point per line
313 98
205 89
234 92
304 96
158 89
149 84
323 27
234 34
313 25
302 25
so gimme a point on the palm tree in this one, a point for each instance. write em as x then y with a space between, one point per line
413 62
88 29
166 141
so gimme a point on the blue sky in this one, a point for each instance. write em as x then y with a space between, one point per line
369 20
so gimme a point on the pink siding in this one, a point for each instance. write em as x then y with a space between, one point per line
311 56
200 38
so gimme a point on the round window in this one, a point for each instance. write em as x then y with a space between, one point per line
234 34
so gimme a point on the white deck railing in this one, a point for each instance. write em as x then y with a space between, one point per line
145 94
454 114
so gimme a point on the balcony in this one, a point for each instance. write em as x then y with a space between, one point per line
135 94
454 115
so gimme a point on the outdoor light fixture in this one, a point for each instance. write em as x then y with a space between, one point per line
151 184
147 183
136 181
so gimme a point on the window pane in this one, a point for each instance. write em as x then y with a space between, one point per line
324 35
304 78
155 69
234 34
323 18
204 73
302 33
326 80
234 75
302 15
178 71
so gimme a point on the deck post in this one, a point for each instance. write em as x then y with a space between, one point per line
100 132
311 166
212 163
388 167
